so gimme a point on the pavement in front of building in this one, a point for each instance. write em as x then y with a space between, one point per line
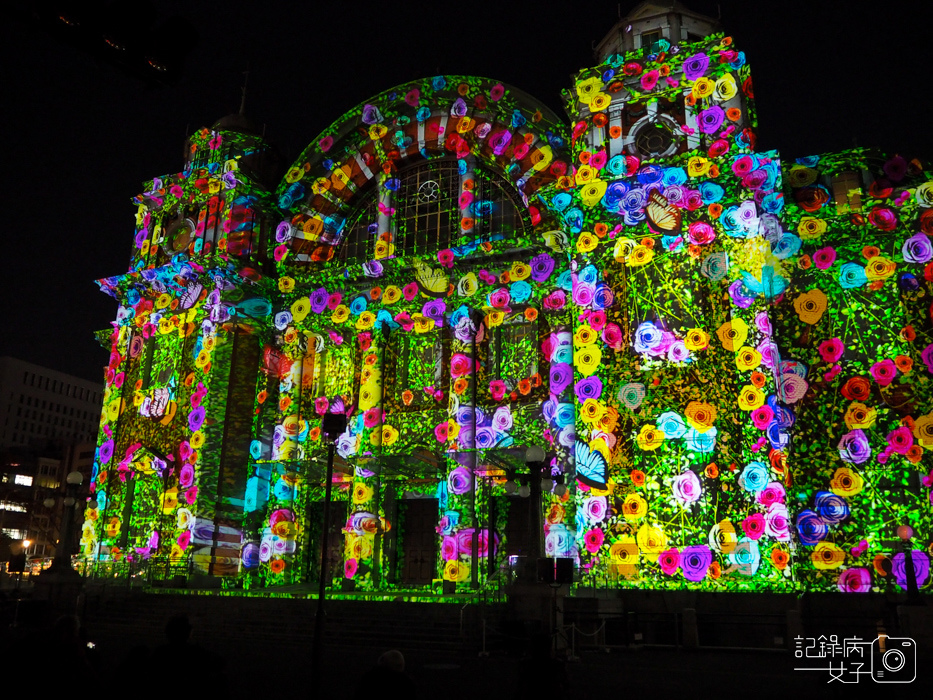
255 670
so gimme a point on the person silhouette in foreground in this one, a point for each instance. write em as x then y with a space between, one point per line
541 674
387 679
192 666
67 650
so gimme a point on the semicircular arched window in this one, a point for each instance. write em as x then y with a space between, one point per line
429 207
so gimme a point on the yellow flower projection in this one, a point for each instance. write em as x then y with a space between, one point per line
846 482
696 339
456 571
649 438
811 306
700 415
827 556
732 334
751 397
747 359
651 541
860 416
623 553
634 507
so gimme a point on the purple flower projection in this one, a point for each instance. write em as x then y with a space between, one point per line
196 418
459 481
695 561
249 555
589 388
695 66
106 451
711 119
449 548
854 447
811 527
686 488
541 267
561 376
434 310
319 299
595 509
921 567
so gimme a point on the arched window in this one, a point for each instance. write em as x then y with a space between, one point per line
428 207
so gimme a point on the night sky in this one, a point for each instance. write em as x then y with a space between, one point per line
83 133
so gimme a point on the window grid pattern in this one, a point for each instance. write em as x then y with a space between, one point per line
427 212
429 215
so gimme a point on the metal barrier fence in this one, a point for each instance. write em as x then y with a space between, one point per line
157 571
687 628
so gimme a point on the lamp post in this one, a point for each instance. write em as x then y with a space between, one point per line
535 459
21 564
333 425
62 561
60 583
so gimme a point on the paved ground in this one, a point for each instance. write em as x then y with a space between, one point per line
250 671
252 665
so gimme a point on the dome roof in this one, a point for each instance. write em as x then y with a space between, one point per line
236 122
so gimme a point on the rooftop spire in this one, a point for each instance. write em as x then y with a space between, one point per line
243 89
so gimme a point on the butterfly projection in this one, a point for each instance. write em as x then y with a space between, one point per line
770 285
256 307
191 294
592 469
160 405
662 215
432 282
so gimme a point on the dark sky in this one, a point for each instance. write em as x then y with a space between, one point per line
82 134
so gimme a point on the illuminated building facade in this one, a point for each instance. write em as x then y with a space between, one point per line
725 356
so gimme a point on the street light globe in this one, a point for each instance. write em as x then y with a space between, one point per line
905 532
524 490
510 486
27 544
49 502
74 478
69 501
560 490
534 454
93 504
547 484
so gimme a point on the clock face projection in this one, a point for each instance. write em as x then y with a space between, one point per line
179 236
429 191
654 139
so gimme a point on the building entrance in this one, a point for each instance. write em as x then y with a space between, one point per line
419 541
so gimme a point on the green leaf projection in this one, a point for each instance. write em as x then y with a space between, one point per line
726 357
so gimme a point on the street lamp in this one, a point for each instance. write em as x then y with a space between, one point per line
560 488
26 545
905 532
333 426
62 560
535 459
60 584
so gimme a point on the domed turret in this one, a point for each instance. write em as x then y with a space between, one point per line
649 24
237 122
